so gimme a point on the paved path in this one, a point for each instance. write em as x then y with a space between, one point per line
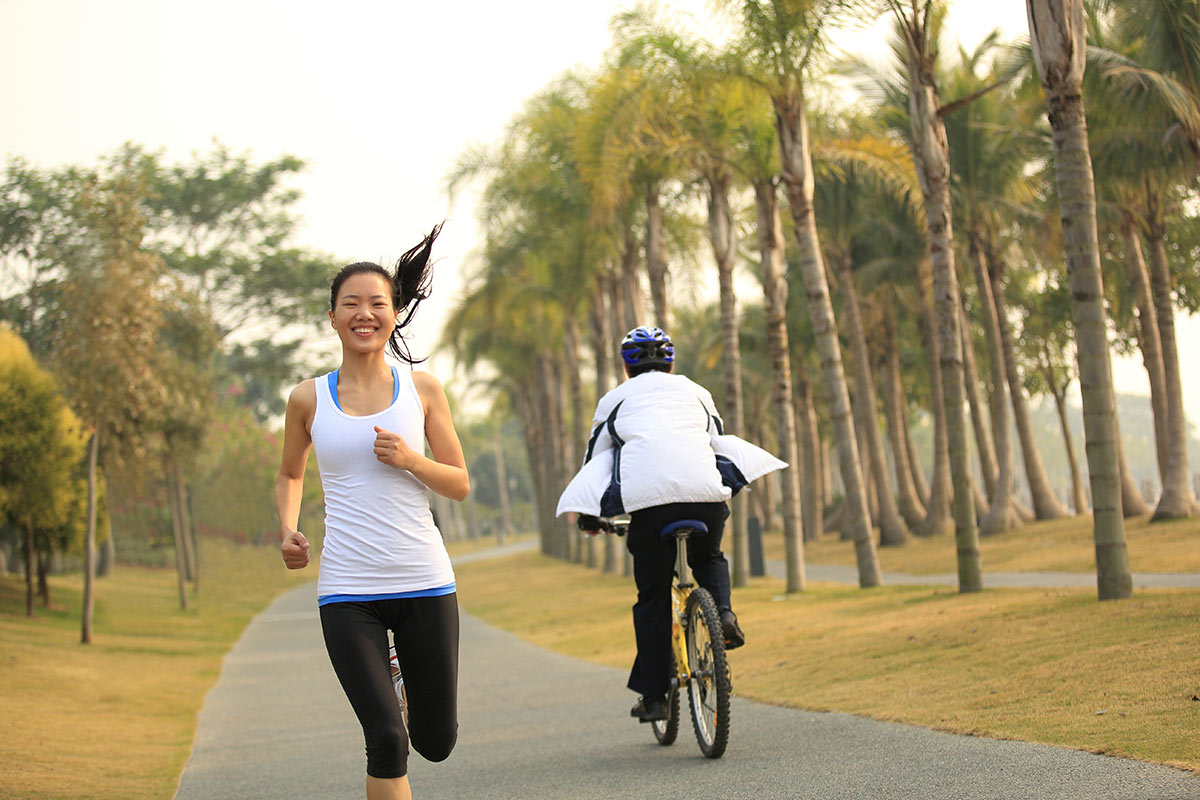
535 724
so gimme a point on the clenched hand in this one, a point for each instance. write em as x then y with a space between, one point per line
391 449
295 550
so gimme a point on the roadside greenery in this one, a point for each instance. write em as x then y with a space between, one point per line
118 717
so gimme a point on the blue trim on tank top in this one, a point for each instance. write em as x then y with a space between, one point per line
333 376
437 591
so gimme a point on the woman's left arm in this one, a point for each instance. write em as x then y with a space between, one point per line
446 472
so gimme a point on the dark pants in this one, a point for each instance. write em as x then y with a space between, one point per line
653 570
425 630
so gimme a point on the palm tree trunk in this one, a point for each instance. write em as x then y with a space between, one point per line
1001 516
984 442
527 397
909 503
1177 500
1078 495
630 283
603 317
1046 504
1132 502
505 525
723 235
920 484
931 155
892 531
559 472
620 318
1058 36
775 291
985 437
601 333
1148 339
579 422
791 126
937 507
813 504
89 544
656 259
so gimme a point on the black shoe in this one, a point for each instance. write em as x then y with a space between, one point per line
734 638
650 709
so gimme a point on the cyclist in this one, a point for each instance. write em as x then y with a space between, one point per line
658 453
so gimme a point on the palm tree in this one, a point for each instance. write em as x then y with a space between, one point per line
931 155
1138 113
722 130
541 247
1056 32
1164 72
990 183
865 165
780 43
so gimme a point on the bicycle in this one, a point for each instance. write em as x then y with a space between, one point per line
698 649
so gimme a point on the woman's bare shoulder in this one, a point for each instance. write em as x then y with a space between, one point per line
304 396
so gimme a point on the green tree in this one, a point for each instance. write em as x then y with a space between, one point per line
106 349
223 225
41 448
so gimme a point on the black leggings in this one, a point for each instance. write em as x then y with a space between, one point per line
425 630
653 570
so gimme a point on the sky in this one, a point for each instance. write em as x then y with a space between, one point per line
379 98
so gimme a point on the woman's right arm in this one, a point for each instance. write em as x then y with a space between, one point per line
289 485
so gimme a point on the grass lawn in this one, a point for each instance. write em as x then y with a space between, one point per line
1051 666
116 719
1063 545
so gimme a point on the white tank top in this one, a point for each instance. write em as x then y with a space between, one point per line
380 537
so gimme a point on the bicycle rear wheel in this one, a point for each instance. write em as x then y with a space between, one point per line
708 684
666 731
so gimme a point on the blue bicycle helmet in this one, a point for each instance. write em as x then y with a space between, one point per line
647 345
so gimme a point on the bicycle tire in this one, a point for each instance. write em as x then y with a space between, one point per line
709 684
666 731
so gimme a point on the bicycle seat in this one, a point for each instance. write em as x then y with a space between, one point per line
696 525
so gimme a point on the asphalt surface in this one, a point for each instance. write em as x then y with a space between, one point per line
535 724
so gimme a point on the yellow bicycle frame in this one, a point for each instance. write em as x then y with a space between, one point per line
680 589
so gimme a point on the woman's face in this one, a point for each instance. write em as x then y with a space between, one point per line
363 315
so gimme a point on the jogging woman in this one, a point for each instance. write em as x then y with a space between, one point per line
383 564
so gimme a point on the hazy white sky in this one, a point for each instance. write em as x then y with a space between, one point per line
378 97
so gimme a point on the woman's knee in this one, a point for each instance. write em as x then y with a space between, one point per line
435 747
387 751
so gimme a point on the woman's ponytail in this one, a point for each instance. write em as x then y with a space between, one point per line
411 284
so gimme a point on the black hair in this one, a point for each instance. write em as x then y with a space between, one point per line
410 283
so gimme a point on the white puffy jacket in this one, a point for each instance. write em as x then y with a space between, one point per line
656 439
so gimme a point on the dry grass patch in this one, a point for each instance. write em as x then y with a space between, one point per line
118 716
1051 666
1063 545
